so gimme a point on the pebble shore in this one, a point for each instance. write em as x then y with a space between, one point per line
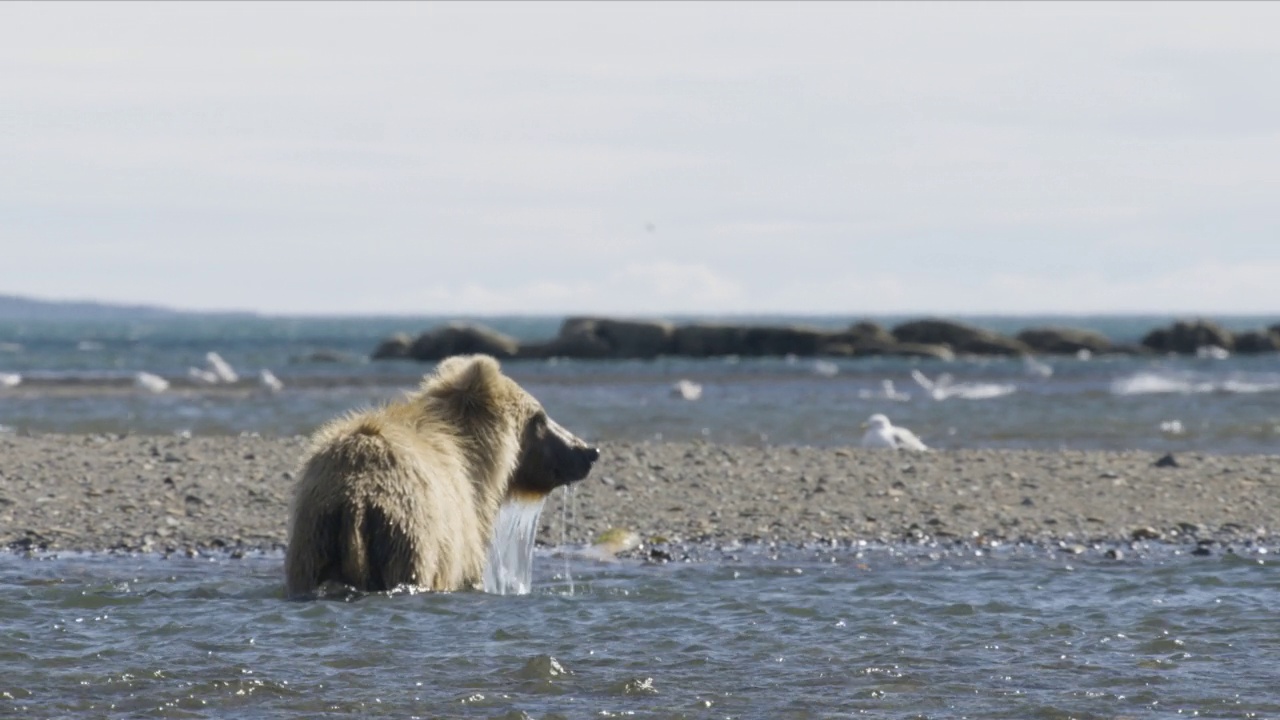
231 494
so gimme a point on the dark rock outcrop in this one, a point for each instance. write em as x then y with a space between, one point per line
337 356
1258 341
393 348
779 341
584 337
462 339
711 340
961 338
1185 337
868 331
867 339
1064 341
708 340
928 351
592 337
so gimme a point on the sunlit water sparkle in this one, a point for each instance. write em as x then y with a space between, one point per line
755 633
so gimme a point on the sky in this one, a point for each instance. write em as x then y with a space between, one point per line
643 158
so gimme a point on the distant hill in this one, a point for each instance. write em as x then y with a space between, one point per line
13 307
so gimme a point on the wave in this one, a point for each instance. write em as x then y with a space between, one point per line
944 388
1153 383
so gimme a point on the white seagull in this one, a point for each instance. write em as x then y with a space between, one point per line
221 368
686 390
882 434
269 381
150 382
202 377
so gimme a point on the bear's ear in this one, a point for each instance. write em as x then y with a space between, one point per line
467 382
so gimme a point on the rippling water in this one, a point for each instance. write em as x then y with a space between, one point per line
79 377
802 633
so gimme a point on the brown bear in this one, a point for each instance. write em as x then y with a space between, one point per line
407 494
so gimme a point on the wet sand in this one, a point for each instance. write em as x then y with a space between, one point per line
231 494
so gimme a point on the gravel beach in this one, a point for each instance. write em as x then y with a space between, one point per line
231 494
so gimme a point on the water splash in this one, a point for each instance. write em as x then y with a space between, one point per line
1153 383
944 387
509 570
566 516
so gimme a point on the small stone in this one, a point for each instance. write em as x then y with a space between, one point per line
1145 532
1202 550
1114 554
1167 461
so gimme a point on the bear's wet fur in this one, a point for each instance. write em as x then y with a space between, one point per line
406 494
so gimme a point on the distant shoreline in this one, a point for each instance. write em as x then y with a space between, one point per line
34 308
592 337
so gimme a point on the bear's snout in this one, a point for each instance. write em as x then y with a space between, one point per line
584 458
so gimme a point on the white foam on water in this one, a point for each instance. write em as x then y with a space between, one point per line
1249 388
1150 383
825 368
887 391
944 388
1037 368
509 570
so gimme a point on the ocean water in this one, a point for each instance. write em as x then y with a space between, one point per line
79 377
909 632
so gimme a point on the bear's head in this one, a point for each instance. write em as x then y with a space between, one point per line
494 409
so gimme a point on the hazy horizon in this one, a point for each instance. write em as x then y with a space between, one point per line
126 306
643 159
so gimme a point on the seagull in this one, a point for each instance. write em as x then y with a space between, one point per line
882 434
202 377
151 382
686 390
269 381
220 367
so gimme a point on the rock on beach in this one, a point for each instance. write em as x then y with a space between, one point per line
231 494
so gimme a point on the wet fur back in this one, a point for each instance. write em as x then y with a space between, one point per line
407 494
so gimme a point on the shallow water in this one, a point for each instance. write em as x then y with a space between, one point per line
804 633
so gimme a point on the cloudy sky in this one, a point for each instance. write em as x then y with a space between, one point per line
654 158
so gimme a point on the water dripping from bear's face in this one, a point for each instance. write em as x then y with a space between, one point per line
509 567
550 456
